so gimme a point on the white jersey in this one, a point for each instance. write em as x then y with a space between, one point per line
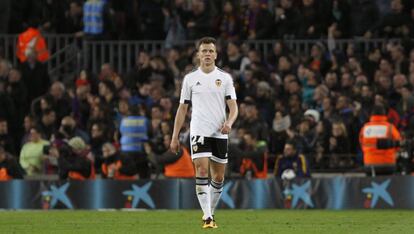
207 93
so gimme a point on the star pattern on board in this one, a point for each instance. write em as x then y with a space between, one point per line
140 193
58 194
299 192
379 191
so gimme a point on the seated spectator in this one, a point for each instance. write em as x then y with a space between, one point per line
291 162
117 166
31 155
176 165
9 169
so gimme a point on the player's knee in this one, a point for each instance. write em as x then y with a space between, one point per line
201 171
218 178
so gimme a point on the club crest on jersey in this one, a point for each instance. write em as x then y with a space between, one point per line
218 82
195 148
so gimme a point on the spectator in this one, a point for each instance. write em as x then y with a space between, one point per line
339 147
291 161
6 139
199 21
228 24
253 156
257 21
176 165
9 168
134 135
118 166
73 165
31 155
286 19
35 76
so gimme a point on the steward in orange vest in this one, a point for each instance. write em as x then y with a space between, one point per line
116 166
9 169
378 128
175 165
253 156
29 41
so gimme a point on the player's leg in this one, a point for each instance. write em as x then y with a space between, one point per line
202 188
200 153
217 170
217 181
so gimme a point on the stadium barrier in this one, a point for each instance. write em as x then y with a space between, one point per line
396 192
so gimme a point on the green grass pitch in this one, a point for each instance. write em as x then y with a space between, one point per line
229 221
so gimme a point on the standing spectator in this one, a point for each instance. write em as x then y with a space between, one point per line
47 123
228 24
311 20
199 22
71 20
31 155
134 134
9 168
18 93
286 19
6 139
96 19
365 14
5 10
151 19
35 77
257 21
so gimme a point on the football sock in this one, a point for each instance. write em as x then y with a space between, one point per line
203 195
215 193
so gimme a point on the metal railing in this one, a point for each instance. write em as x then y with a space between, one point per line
122 54
58 46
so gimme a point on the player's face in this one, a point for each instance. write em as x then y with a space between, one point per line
207 54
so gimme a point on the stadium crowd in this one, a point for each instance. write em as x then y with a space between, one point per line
300 112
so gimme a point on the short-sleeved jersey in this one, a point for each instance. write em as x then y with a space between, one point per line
207 93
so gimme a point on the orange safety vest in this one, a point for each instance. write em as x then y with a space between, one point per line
32 39
248 164
378 128
117 175
74 175
182 168
4 176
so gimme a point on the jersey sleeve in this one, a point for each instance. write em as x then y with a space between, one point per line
230 91
185 96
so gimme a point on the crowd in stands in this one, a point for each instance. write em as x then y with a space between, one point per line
295 111
177 20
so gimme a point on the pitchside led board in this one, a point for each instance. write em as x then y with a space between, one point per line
332 193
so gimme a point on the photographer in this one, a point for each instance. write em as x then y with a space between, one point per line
380 160
71 164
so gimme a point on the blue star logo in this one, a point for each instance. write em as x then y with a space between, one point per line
58 194
299 193
139 193
225 197
379 191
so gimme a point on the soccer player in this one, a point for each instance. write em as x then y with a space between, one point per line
208 89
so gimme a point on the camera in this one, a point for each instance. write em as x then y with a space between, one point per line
405 154
389 143
46 149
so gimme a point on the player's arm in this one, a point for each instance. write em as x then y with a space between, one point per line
233 112
178 124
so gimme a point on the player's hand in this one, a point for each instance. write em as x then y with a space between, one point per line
226 128
174 145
